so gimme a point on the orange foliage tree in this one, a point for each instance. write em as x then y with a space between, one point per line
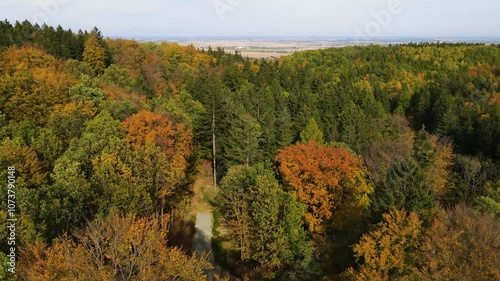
329 181
174 139
162 150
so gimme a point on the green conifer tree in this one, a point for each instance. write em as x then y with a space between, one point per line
312 132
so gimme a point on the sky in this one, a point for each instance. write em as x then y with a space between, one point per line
367 18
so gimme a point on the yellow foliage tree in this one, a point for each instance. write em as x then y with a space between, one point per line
437 171
94 54
389 252
31 84
115 248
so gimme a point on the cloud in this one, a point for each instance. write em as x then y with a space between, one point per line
263 17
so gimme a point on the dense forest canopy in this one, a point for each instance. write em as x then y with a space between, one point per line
355 163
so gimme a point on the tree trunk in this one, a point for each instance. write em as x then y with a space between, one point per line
213 147
247 150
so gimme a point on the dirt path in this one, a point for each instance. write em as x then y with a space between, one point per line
202 241
204 191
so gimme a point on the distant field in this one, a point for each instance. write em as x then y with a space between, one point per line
262 48
278 47
262 54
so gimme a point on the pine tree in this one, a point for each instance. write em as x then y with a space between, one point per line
312 132
405 187
283 122
242 146
6 38
211 129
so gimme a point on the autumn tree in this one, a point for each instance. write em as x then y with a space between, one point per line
102 133
31 173
31 84
469 178
94 54
330 182
127 54
118 189
161 155
462 244
174 139
72 195
153 170
389 252
235 208
113 248
435 157
394 145
151 80
30 170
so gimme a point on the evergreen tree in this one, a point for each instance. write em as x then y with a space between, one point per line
283 122
266 116
312 133
243 135
405 187
355 129
422 149
6 37
210 132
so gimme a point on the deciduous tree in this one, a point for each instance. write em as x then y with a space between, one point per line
31 84
174 139
265 222
390 252
462 244
325 180
94 54
114 248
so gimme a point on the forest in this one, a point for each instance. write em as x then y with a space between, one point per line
353 163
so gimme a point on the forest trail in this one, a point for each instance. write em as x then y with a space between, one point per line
202 241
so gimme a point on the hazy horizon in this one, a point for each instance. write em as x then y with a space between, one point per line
258 18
